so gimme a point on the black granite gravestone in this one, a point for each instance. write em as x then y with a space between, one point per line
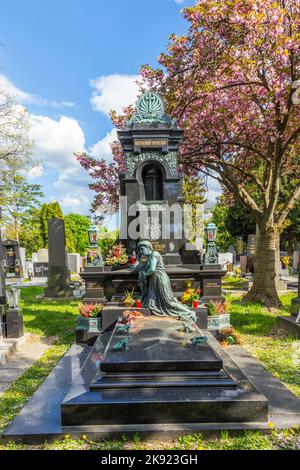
58 272
14 323
12 258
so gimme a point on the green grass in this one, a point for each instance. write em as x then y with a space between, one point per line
233 283
54 319
275 440
276 350
257 326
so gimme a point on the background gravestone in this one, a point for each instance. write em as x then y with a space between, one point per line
58 272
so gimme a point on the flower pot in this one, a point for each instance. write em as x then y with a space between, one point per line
91 325
217 322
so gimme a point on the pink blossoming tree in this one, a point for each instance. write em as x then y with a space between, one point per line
231 84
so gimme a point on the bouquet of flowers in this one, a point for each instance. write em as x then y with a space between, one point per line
116 255
190 296
128 300
90 310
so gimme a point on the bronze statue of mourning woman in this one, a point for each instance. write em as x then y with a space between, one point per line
157 294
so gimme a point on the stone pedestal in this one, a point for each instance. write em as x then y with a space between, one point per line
14 323
105 286
58 282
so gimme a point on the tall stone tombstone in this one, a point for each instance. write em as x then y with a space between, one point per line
251 244
58 272
151 183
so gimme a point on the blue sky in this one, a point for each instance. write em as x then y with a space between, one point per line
69 62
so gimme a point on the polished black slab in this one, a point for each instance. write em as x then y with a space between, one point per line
205 378
145 398
158 344
40 417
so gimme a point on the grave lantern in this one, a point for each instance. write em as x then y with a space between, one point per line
211 232
93 235
13 297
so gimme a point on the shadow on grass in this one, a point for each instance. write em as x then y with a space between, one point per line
254 318
54 319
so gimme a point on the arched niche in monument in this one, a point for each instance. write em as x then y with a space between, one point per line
152 177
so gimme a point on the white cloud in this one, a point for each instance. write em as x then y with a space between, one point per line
102 148
76 203
6 86
36 171
179 1
114 92
56 141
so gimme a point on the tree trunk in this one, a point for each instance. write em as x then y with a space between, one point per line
266 269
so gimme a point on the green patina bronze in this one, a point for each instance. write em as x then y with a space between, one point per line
187 328
157 294
124 329
198 340
150 110
121 345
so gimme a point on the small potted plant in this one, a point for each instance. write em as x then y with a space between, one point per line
117 257
218 315
89 319
128 300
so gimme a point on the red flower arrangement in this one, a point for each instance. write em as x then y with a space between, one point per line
90 310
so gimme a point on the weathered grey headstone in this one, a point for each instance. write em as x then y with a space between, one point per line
251 245
74 262
42 255
58 272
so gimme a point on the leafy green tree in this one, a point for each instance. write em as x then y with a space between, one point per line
194 194
219 217
30 232
48 211
239 221
107 239
17 197
77 233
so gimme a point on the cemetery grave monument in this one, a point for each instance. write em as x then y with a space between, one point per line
150 186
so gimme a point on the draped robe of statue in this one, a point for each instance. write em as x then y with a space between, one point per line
157 294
